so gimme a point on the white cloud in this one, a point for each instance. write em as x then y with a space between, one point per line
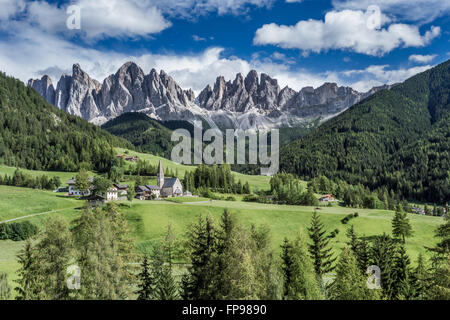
348 30
412 10
422 58
195 8
10 8
100 18
377 75
198 38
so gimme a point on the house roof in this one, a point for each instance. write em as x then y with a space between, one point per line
143 188
121 186
169 182
152 187
74 181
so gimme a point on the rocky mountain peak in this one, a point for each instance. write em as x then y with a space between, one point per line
251 102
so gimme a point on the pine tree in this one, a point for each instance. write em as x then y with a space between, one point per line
350 284
421 278
320 253
382 254
165 287
54 249
300 282
29 285
400 225
104 253
402 285
286 265
198 283
145 281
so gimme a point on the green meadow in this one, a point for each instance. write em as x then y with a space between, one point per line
148 220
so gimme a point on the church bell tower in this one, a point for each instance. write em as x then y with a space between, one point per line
160 175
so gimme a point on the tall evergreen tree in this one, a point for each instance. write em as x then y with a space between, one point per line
198 283
350 284
29 284
382 254
165 286
300 281
400 225
421 278
319 249
145 281
54 249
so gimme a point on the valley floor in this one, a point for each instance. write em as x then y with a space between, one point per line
149 219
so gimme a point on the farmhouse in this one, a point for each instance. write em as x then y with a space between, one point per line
166 187
113 193
128 158
326 198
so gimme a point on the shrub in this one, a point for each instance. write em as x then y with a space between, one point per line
17 231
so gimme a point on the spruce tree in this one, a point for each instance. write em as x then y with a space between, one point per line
350 284
165 286
421 278
54 253
400 225
382 254
145 281
198 283
300 281
403 283
319 249
29 284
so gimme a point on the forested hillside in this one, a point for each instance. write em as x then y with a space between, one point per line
36 135
146 134
397 138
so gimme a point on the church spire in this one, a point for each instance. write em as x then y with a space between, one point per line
160 175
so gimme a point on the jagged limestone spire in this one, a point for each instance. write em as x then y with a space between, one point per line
160 175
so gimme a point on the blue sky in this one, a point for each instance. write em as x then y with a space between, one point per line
359 43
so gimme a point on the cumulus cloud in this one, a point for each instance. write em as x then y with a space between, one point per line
348 30
195 8
10 8
101 18
422 58
411 10
376 75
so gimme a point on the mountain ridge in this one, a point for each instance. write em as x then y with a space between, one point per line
253 102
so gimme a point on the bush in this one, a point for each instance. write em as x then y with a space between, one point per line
251 198
230 198
17 231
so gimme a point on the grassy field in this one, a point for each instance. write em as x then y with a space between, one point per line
148 220
256 182
151 218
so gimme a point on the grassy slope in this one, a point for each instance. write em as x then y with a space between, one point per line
149 219
256 182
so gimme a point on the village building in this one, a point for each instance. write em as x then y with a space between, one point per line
127 157
166 187
327 198
113 193
74 191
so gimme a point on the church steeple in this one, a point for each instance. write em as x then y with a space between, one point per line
160 175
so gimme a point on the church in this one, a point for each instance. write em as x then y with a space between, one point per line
166 187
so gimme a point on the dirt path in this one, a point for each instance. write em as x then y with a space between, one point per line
31 215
